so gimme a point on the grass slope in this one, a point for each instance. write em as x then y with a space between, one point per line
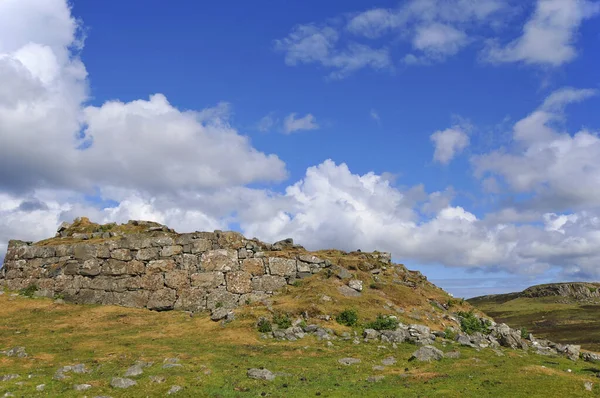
216 357
555 318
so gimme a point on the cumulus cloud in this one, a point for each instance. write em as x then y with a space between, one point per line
550 35
291 123
50 139
449 143
559 168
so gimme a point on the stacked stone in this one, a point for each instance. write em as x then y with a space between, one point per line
158 270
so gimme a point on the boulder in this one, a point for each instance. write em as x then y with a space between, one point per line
261 374
120 382
427 354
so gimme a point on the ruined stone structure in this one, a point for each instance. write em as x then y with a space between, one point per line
158 269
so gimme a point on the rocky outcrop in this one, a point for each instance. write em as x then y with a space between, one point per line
158 269
579 291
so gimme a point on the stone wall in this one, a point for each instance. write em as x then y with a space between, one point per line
159 270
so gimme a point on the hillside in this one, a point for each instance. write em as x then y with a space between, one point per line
357 324
568 313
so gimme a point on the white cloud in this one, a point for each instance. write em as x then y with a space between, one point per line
449 143
311 44
561 169
291 123
49 139
549 36
439 40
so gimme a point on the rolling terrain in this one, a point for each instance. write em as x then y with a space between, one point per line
567 313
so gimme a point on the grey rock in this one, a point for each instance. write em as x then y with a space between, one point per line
220 313
134 370
356 284
18 352
119 382
464 341
375 379
588 386
348 292
82 387
590 356
40 387
371 334
158 379
349 361
9 377
261 374
342 273
572 351
388 361
174 390
378 368
452 355
394 336
427 354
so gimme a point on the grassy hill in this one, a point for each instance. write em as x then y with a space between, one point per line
215 356
569 316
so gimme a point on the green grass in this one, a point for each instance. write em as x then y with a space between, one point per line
547 317
215 359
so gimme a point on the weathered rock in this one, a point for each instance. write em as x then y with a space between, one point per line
82 387
220 313
9 377
208 280
348 292
268 283
375 379
253 266
282 266
239 282
388 361
341 272
174 390
162 300
158 379
122 383
590 356
261 374
18 352
349 361
427 354
223 260
356 285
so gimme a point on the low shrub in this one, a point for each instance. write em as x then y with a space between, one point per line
264 326
348 317
524 333
383 322
283 321
449 333
470 323
29 291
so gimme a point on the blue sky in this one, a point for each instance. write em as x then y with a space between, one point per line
462 136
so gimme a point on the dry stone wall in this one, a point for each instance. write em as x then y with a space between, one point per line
157 270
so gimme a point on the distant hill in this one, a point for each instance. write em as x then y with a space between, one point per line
563 312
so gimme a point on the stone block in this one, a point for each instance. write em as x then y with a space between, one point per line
208 280
239 282
254 266
282 266
268 283
177 279
162 300
223 260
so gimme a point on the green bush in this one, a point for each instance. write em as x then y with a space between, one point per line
347 317
29 291
383 323
524 333
282 320
264 326
450 334
470 324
